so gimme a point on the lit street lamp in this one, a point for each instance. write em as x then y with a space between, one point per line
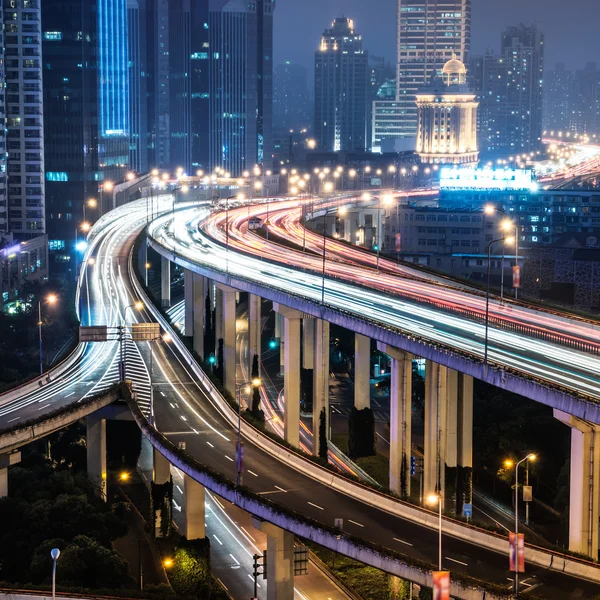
432 499
387 199
50 299
487 294
509 463
239 450
507 226
54 553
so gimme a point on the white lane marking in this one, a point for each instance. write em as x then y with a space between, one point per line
162 393
237 562
229 458
172 405
386 441
15 419
402 541
355 523
210 444
246 532
490 517
460 562
196 432
180 490
252 473
281 489
43 407
183 418
252 579
218 540
69 395
316 506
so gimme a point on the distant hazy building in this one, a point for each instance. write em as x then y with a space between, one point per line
429 34
241 84
290 97
558 99
341 84
585 100
447 118
510 85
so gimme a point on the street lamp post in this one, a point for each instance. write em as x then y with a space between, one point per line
51 299
506 225
255 383
387 199
487 295
432 499
54 553
509 464
325 214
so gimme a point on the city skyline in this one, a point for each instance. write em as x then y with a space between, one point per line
296 38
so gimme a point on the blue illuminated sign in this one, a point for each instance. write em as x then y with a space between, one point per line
452 178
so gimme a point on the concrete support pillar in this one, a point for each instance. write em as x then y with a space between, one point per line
435 428
464 451
400 419
282 352
161 468
228 322
188 295
277 333
280 562
362 371
199 312
165 282
584 504
218 325
308 343
254 327
96 453
320 381
290 348
194 509
6 460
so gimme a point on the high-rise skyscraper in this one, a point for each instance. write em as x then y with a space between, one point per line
290 97
86 108
510 91
429 34
22 150
241 84
341 89
558 99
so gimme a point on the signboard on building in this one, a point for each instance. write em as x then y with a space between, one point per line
452 178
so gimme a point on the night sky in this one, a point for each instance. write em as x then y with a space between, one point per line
570 27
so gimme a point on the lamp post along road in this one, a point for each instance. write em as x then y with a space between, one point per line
432 499
54 553
239 452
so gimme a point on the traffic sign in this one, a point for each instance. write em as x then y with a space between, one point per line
145 332
95 333
413 465
467 510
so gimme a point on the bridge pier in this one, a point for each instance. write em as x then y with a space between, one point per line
280 561
161 468
362 371
400 419
584 501
194 497
199 313
7 460
165 282
226 320
254 327
320 382
96 452
308 342
291 385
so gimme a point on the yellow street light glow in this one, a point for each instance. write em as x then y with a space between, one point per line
139 306
328 186
342 210
148 265
108 186
508 463
509 240
532 457
51 298
130 176
432 499
167 338
257 382
155 172
91 261
92 203
489 209
507 224
388 199
85 226
168 562
124 476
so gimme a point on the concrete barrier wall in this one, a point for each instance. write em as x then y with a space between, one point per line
371 497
